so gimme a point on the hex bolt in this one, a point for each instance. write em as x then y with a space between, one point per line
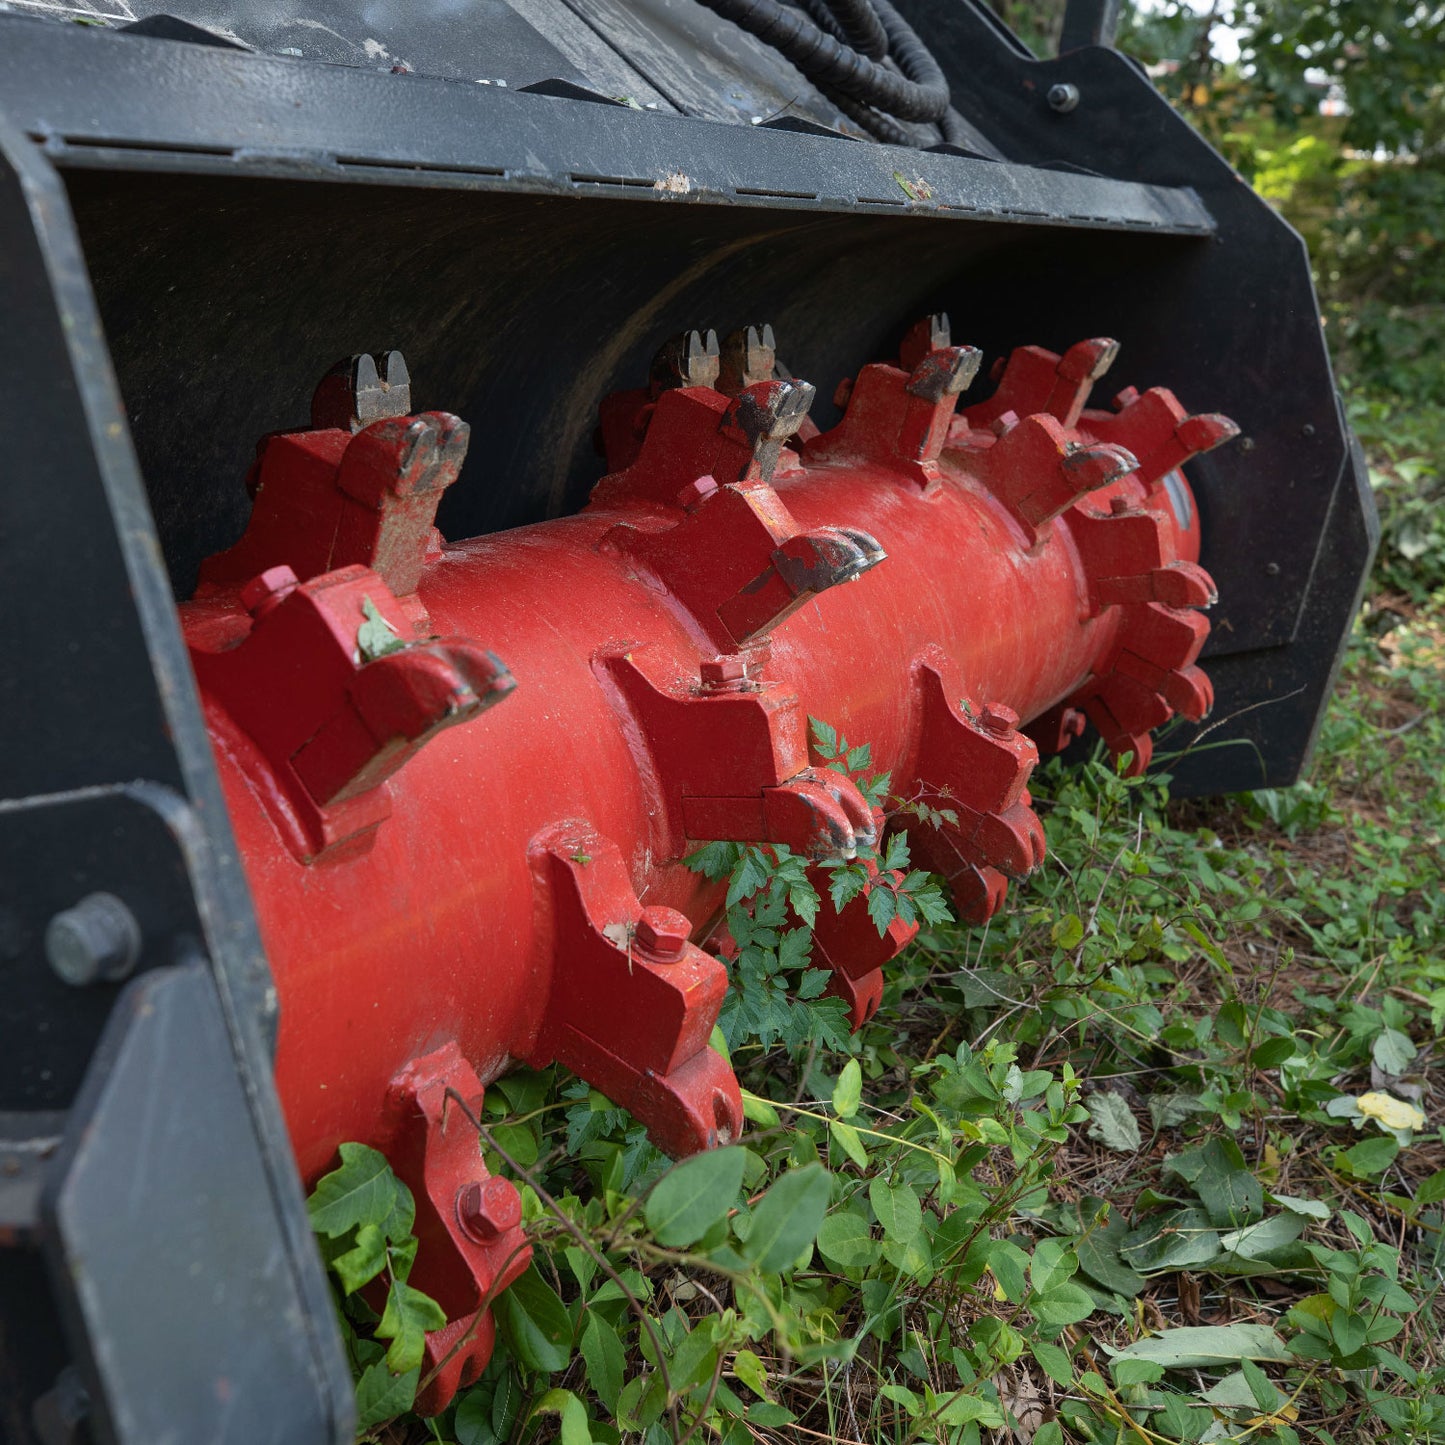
998 718
1063 97
486 1210
696 492
96 941
261 594
662 934
723 672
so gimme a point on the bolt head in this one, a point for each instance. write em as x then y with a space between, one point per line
998 718
720 671
663 932
1063 98
488 1208
262 593
696 492
97 941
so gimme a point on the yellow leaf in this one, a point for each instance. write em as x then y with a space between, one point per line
1284 1413
1391 1112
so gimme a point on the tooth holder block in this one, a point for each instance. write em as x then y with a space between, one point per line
429 878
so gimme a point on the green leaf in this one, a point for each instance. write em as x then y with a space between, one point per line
573 1412
768 1415
845 1240
692 1196
408 1316
536 1323
1053 1262
382 1396
786 1219
1232 1392
714 860
896 1207
882 907
1135 1372
902 1395
1199 1347
794 947
376 636
472 1423
960 1409
1255 1241
1431 1190
1114 1124
1175 1239
1272 1053
362 1191
824 737
1007 1263
365 1260
1226 1188
1393 1052
1099 1258
1310 1208
758 1110
850 1141
1063 1304
749 1369
603 1353
694 1358
1348 1329
1371 1156
848 1091
1068 932
1054 1361
1265 1395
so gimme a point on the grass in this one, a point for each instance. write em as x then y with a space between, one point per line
1189 1081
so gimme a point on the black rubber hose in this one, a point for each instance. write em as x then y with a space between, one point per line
862 29
831 65
955 129
879 126
910 54
821 14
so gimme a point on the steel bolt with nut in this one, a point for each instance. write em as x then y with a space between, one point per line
1063 97
96 941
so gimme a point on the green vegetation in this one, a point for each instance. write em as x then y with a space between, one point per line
1363 184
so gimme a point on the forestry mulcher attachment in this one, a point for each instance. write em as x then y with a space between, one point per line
449 466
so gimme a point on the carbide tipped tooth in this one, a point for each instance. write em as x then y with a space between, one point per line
931 333
1096 466
945 372
353 393
1199 434
1088 360
748 355
687 359
394 364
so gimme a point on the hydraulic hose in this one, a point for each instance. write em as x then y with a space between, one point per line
835 66
862 27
